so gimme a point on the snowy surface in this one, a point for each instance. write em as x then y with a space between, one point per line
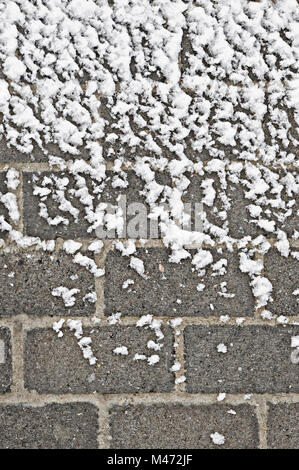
188 89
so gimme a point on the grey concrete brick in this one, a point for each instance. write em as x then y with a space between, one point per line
35 225
286 214
28 278
258 359
53 426
11 154
283 426
158 294
3 210
166 426
283 273
56 365
5 360
239 222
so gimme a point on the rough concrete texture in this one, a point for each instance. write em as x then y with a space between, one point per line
237 224
283 422
77 226
183 427
179 102
27 280
11 154
283 274
5 360
54 426
55 365
249 359
170 289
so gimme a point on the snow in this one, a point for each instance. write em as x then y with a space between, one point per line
282 319
114 318
68 295
180 380
176 367
152 345
121 350
153 359
14 68
12 179
262 289
139 357
295 342
202 259
89 264
217 438
138 266
221 396
71 246
57 327
106 84
175 322
221 348
96 246
127 283
144 320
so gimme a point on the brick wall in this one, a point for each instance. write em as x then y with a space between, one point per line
52 397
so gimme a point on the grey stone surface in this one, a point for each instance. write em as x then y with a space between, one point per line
53 426
237 223
56 365
283 426
11 154
258 359
166 426
5 360
233 199
35 225
3 210
283 274
158 294
28 278
103 192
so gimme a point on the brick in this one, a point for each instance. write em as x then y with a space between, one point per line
3 210
56 365
283 426
36 274
53 426
35 225
166 426
159 293
283 273
239 222
258 359
5 360
11 154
